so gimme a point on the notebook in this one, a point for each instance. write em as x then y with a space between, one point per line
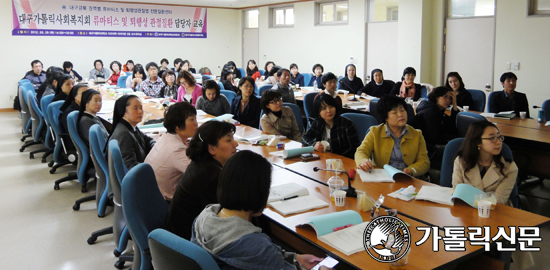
346 240
298 205
388 174
446 195
276 193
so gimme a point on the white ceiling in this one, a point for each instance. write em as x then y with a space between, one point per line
211 3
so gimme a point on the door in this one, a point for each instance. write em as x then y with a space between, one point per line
251 46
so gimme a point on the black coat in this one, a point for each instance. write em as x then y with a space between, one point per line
134 145
417 93
372 89
500 103
352 86
464 98
251 114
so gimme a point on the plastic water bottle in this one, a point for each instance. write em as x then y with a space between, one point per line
315 86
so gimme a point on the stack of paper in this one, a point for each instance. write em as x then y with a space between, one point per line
388 174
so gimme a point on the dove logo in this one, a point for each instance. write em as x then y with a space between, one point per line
387 239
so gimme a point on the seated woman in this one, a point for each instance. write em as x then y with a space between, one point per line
211 101
278 119
438 127
129 66
168 158
64 86
68 69
99 71
272 76
189 90
245 108
479 162
329 81
252 70
267 68
90 105
211 147
455 83
116 68
317 75
186 65
377 87
329 126
134 81
134 145
227 79
393 142
226 231
163 66
406 87
71 104
295 76
50 85
236 71
170 88
351 82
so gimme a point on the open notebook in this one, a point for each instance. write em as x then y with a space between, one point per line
445 195
302 203
348 240
388 174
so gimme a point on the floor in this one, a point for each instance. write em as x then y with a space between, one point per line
41 230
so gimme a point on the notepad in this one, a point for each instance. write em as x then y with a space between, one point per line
446 195
501 115
348 240
388 174
250 139
298 205
276 193
298 94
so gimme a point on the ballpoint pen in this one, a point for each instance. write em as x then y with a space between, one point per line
288 198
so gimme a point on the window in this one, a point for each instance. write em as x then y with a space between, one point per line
471 8
383 10
282 16
251 18
333 12
539 7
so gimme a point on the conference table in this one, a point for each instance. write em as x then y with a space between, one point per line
415 213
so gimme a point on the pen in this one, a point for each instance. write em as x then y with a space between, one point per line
370 168
343 227
288 198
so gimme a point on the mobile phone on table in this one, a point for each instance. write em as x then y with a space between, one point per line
328 262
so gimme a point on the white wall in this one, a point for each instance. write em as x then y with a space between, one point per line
382 49
525 40
16 52
307 44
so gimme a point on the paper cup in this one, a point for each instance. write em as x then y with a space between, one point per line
325 144
466 108
483 208
339 197
523 115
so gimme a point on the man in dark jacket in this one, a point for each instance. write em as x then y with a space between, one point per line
36 75
509 99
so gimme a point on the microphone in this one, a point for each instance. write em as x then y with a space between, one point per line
350 89
537 107
350 191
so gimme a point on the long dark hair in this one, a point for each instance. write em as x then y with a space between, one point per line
207 134
250 72
457 76
469 151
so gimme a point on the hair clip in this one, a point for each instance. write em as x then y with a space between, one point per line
200 137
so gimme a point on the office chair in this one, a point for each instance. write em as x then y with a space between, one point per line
144 208
170 252
297 114
362 122
60 154
230 95
307 78
479 100
84 169
221 85
243 72
121 82
38 125
546 109
373 110
308 107
264 88
117 172
424 92
25 114
491 96
465 119
48 141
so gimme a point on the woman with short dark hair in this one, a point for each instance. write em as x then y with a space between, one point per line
163 66
267 68
351 82
68 69
211 147
393 142
317 70
455 83
225 230
211 101
99 71
278 119
138 75
168 157
377 87
245 108
437 127
329 126
227 76
480 163
134 145
295 76
189 90
170 88
406 87
116 68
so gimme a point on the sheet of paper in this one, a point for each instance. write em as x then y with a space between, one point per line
396 194
377 175
359 107
107 106
277 153
547 123
436 194
200 113
491 115
298 94
286 190
298 205
348 240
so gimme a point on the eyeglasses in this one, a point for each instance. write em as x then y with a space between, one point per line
495 139
273 102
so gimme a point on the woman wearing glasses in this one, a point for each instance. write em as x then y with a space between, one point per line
278 119
480 163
